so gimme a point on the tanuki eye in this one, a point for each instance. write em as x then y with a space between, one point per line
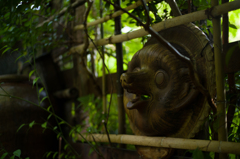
161 78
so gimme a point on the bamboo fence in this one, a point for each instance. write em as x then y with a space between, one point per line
195 16
108 17
167 142
221 146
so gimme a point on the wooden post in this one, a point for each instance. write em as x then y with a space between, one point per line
221 101
121 113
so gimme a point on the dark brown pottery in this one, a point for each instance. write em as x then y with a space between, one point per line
33 142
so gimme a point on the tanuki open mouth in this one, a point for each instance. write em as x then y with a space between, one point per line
138 101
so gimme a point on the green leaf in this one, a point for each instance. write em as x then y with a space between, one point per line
14 50
17 153
4 47
28 61
43 99
49 116
31 124
55 127
232 26
19 57
30 74
4 155
49 153
59 135
62 122
65 147
55 154
40 90
197 154
35 80
49 108
61 155
8 48
71 131
12 157
20 127
44 125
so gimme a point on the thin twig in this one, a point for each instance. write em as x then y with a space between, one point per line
98 152
86 42
192 72
105 126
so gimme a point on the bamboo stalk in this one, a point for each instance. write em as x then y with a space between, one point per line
167 142
221 101
61 12
108 17
195 16
119 54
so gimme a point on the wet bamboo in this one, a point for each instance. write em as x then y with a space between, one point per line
108 17
119 54
195 16
221 101
167 142
175 10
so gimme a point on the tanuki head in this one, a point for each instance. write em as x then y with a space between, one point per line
159 96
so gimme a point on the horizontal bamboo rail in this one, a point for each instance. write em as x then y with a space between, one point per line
167 142
61 12
195 16
108 17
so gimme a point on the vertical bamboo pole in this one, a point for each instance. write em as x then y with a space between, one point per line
103 66
221 104
121 113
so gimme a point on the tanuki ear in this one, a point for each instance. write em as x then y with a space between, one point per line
188 93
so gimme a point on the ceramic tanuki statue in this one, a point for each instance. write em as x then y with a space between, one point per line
159 97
